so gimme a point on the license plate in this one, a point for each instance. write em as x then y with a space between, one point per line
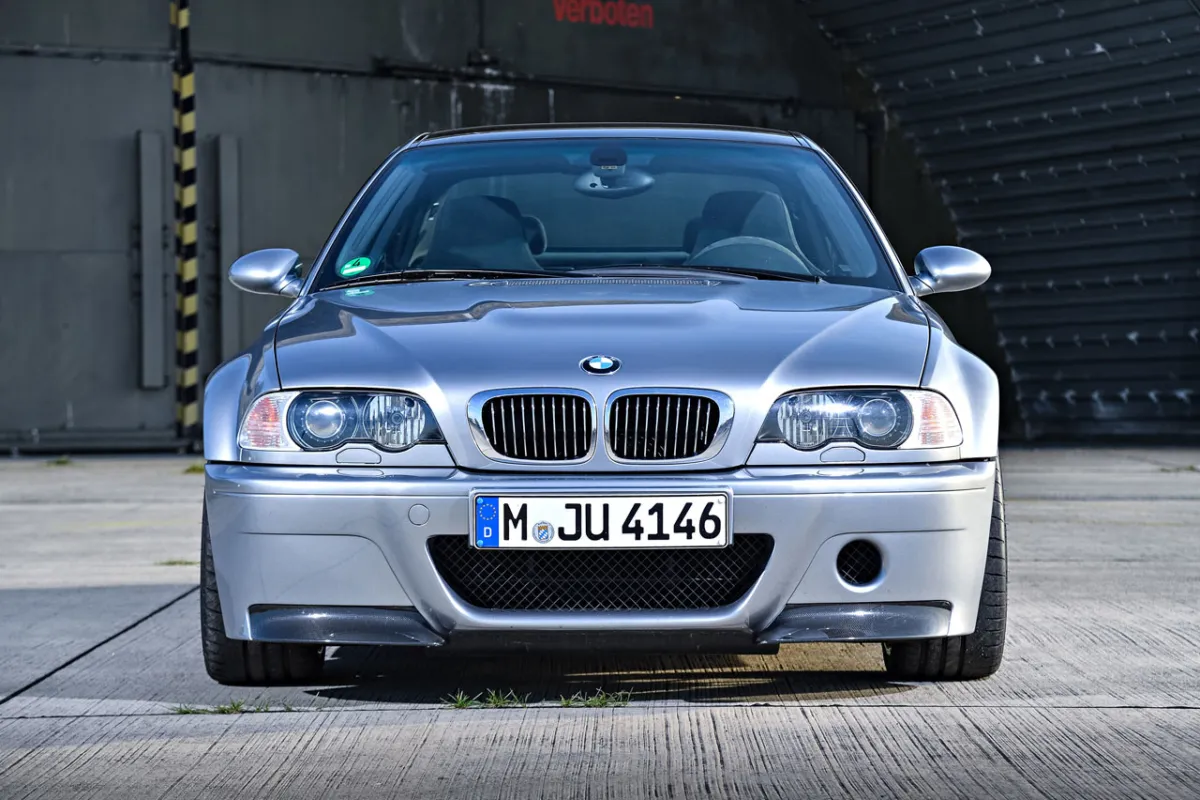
620 522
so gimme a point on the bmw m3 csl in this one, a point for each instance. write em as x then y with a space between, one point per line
660 387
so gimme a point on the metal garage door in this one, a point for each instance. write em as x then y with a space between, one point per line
1063 138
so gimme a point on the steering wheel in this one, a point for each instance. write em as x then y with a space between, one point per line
752 251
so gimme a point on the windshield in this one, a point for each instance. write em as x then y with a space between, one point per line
570 205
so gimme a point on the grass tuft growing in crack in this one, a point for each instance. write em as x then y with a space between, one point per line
232 707
495 698
507 699
461 699
603 699
177 562
194 469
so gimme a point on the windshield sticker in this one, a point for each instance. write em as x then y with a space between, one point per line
359 292
352 268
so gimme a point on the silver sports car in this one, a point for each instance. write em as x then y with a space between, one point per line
658 387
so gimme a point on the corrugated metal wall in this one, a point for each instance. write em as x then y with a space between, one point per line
1063 137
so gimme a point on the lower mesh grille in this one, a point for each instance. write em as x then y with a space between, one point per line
600 580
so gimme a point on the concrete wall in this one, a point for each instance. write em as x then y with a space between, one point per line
297 102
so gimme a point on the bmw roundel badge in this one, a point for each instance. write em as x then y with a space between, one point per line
600 365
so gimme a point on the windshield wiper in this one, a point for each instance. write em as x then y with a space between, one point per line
418 275
651 270
746 272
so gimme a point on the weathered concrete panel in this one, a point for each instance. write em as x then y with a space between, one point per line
70 316
350 35
140 25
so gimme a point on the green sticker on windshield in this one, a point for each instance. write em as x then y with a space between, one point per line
359 292
352 268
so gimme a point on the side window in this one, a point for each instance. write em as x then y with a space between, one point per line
829 228
814 238
424 234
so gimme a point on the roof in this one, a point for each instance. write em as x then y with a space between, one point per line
602 130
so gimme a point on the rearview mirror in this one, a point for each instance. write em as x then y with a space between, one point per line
949 269
274 271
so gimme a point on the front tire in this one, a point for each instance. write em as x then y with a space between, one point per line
977 654
234 662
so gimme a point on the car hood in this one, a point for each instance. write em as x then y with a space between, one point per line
752 340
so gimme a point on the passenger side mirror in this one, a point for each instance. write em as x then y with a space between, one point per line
949 269
274 271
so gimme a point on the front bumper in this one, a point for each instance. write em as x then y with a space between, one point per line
340 556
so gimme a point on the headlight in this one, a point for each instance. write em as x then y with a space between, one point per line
327 420
395 421
876 418
323 421
265 425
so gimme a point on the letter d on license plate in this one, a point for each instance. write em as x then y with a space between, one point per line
620 522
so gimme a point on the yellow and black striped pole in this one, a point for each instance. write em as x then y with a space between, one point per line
187 368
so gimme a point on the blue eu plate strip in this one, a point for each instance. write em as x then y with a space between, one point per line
487 522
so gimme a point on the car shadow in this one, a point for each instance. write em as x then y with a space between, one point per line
409 676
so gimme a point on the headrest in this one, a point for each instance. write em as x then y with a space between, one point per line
744 213
535 234
475 221
480 231
508 206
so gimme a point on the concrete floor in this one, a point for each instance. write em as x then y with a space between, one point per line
1099 695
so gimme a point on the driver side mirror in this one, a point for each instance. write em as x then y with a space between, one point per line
274 271
949 269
